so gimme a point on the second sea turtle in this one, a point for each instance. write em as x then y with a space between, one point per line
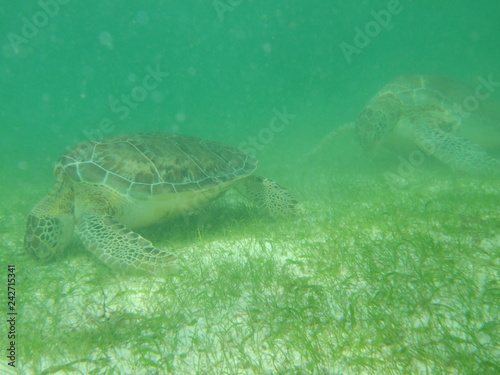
430 113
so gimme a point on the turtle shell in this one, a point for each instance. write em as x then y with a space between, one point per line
148 164
427 90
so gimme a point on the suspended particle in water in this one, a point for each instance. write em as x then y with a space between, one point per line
106 39
142 17
22 165
180 117
157 97
132 77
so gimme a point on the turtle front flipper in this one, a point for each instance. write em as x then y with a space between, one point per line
268 195
47 236
457 152
120 248
50 224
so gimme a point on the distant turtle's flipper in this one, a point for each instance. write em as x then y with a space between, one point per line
268 195
334 135
120 248
457 152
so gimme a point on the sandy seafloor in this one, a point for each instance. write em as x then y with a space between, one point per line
374 275
368 278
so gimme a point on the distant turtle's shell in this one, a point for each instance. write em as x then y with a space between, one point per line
427 90
156 163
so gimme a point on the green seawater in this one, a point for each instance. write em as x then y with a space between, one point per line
391 265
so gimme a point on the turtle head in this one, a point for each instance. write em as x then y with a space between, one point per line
50 224
47 236
377 120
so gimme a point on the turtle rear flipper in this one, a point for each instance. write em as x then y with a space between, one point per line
457 152
268 195
120 248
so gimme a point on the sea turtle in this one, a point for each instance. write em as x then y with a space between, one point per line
107 188
439 115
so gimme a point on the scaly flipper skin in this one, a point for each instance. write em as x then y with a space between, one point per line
49 228
457 152
120 248
268 195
